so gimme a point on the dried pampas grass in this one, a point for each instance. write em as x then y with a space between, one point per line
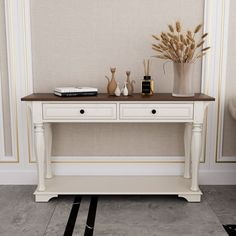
178 46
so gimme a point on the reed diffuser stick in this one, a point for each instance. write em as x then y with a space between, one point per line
145 67
148 67
146 64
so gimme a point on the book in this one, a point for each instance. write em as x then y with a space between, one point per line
75 91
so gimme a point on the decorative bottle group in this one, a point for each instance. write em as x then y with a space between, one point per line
113 86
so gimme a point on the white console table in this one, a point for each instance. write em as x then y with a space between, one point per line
48 108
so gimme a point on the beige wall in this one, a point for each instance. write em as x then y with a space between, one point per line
229 134
74 42
4 82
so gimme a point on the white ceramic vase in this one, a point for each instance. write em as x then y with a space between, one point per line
117 91
125 90
183 80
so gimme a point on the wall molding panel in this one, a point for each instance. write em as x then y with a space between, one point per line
213 169
12 74
167 159
219 28
2 142
214 76
20 68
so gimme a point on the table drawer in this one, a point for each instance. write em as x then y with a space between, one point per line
79 111
156 111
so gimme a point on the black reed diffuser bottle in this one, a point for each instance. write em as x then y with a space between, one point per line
147 82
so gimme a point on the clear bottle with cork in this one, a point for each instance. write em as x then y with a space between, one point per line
147 82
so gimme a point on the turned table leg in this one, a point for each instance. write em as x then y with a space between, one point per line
40 153
187 147
196 148
48 149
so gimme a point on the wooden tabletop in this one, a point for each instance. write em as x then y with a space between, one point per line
106 97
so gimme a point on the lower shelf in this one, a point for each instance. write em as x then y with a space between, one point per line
118 185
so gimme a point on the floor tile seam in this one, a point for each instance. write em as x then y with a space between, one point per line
212 210
50 218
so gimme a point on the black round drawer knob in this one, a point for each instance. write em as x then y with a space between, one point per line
82 111
154 111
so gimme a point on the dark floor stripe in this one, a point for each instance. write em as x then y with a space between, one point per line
230 229
73 215
91 216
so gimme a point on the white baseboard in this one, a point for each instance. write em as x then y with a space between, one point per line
207 177
217 177
18 177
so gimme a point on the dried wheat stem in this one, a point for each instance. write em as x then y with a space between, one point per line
179 47
205 49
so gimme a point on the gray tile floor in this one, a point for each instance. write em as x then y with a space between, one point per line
119 215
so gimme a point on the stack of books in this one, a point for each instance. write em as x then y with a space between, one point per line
75 91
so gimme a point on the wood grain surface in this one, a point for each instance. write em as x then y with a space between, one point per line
105 97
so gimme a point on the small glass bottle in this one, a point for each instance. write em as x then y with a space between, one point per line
147 85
